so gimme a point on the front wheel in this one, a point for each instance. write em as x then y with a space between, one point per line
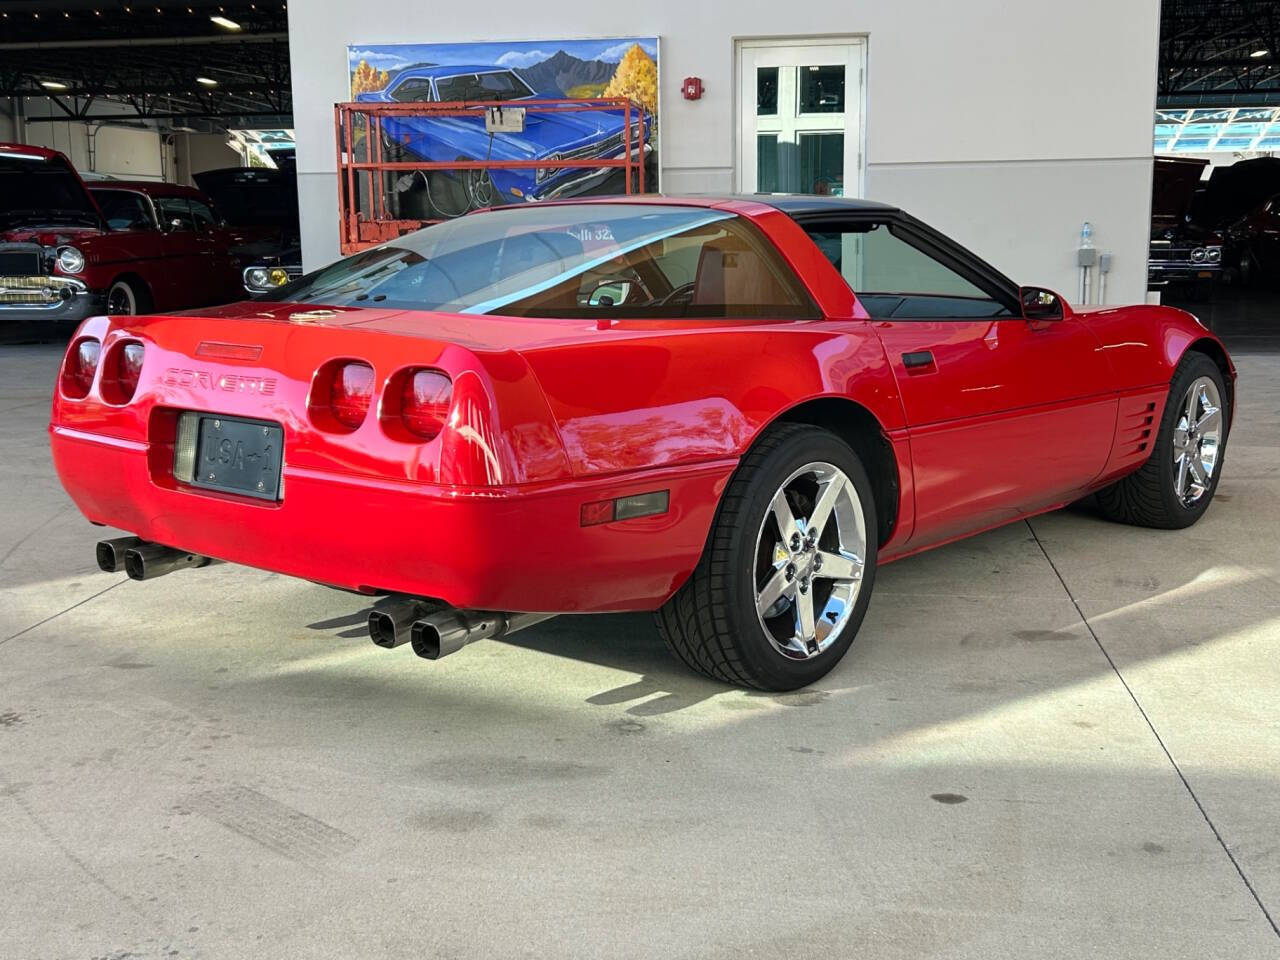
785 579
1174 487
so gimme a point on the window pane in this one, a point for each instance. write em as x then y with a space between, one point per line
485 86
766 91
124 210
412 91
893 278
175 209
767 163
587 260
822 89
203 215
822 163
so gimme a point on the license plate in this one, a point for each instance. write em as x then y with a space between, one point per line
239 456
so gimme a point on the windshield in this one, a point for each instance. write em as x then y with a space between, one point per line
38 192
571 260
483 86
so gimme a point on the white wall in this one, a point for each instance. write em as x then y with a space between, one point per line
1004 124
132 151
198 152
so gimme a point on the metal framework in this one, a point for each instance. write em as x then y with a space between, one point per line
91 58
1219 53
364 217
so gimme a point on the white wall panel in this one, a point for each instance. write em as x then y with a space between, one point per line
951 88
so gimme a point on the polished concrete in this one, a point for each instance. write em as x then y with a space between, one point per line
219 764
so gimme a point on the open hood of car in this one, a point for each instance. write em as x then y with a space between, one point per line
1174 182
40 191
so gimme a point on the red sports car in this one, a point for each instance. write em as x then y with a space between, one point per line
727 411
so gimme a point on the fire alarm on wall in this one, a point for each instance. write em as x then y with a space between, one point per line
693 88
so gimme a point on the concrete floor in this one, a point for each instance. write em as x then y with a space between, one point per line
220 764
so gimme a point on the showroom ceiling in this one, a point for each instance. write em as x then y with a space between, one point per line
1219 53
222 63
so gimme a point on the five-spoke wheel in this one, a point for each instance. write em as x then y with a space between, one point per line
1195 440
785 579
809 560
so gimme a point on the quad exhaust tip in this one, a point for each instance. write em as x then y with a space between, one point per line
435 630
111 553
142 560
391 620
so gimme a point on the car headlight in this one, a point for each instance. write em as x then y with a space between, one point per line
70 260
541 173
1213 254
265 279
1198 255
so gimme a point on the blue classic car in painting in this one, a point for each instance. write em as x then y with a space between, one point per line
551 135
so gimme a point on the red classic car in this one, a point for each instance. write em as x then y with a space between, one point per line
728 411
67 252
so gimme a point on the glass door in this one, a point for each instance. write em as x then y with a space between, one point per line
800 116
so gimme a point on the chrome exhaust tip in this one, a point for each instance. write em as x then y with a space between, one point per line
110 553
150 560
448 631
391 620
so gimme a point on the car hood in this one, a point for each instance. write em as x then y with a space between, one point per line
49 236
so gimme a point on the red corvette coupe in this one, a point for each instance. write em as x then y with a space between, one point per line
727 411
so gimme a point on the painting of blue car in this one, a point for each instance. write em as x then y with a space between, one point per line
517 73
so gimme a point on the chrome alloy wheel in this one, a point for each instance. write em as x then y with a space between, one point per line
809 558
1196 439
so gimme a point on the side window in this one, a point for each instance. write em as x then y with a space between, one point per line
893 278
175 213
413 91
203 216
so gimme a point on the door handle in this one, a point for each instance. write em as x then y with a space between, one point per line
917 359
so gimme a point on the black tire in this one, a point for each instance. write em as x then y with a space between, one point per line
711 623
1148 498
128 297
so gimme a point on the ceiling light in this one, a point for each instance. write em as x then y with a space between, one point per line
1260 53
53 85
207 81
225 23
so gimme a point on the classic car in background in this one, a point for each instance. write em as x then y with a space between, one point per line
1243 201
661 403
1183 252
548 135
260 205
268 274
68 251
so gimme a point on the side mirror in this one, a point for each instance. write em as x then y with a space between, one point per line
175 224
1039 304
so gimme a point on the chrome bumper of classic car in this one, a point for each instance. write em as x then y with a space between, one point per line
583 179
1167 263
44 304
1161 273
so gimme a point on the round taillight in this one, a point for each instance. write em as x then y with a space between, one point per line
350 392
81 365
123 370
425 401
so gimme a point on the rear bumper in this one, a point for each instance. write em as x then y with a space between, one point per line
516 548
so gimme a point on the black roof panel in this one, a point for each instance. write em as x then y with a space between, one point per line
799 203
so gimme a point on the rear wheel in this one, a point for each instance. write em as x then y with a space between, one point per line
785 580
1174 487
